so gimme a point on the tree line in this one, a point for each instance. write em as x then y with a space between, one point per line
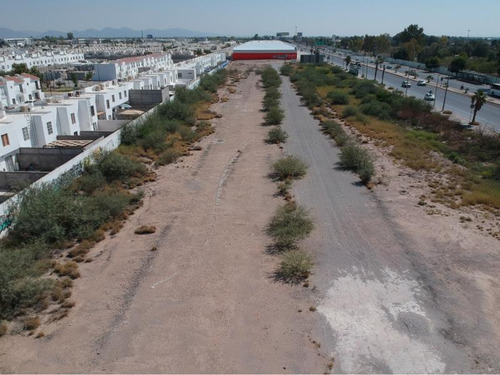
457 53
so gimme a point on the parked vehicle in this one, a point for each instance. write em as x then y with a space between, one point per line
430 96
406 84
125 106
422 82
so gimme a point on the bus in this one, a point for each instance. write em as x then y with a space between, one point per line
495 90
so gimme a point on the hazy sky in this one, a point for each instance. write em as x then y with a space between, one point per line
248 17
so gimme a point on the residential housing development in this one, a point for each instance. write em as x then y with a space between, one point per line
30 119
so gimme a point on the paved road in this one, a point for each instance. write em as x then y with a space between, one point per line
459 104
379 303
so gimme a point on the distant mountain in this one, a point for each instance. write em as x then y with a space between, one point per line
107 32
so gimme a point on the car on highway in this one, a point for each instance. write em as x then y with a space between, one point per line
406 84
430 96
421 83
389 66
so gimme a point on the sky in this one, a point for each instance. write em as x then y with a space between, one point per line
263 17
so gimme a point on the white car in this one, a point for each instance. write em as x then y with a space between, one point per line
125 106
406 84
430 96
421 83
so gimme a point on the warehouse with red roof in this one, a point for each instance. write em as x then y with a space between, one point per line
265 50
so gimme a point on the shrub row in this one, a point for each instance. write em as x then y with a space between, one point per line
51 217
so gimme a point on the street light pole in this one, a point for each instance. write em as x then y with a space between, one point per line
435 98
445 92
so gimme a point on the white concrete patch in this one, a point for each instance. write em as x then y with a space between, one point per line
364 315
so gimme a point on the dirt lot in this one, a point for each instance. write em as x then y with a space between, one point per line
203 301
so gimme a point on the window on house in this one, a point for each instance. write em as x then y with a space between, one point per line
119 95
92 110
13 101
49 127
125 93
107 103
73 118
113 98
5 140
26 134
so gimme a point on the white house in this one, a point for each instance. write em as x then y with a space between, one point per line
18 89
108 96
38 59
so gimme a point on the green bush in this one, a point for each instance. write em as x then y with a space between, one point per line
349 111
116 167
91 180
275 116
212 82
295 267
337 97
168 156
290 224
377 109
286 69
20 282
290 167
270 77
177 110
128 135
357 159
277 135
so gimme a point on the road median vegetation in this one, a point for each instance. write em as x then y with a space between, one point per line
408 130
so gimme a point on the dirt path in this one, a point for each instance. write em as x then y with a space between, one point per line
203 301
400 291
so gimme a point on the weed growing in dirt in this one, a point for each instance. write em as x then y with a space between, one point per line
290 167
295 266
290 224
276 136
275 116
357 159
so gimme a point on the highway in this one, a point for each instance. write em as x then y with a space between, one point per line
458 103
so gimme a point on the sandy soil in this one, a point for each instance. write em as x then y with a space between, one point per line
203 301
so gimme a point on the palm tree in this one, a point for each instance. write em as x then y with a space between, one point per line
429 78
477 101
347 61
378 60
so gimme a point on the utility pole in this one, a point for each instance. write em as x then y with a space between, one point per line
445 92
436 95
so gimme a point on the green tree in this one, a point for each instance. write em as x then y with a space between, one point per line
88 76
74 79
477 102
19 68
347 61
458 64
432 63
69 36
409 33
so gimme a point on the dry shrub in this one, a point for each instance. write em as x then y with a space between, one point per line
81 249
4 328
145 229
31 323
67 269
295 266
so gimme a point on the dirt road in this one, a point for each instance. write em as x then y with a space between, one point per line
203 301
401 292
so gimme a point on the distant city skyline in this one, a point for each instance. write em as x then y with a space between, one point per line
238 18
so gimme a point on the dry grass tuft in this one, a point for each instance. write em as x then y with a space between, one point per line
145 229
69 268
31 323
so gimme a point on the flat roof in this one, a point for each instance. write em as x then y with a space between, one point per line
265 45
